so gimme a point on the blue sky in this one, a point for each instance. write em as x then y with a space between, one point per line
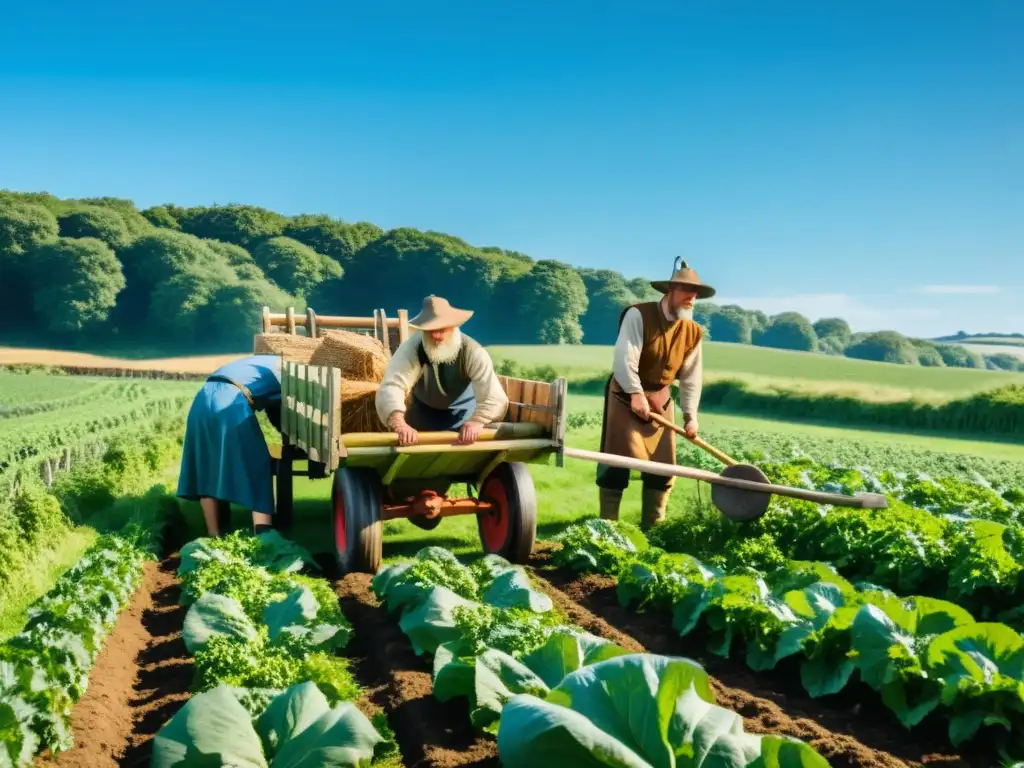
864 159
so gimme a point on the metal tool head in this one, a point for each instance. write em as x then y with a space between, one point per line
740 503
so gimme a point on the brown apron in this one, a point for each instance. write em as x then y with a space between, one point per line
624 434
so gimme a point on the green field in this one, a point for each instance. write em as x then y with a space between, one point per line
750 362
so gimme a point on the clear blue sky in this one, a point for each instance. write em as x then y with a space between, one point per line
828 157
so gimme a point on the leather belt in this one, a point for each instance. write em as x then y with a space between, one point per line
242 387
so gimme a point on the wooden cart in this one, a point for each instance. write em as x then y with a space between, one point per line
375 479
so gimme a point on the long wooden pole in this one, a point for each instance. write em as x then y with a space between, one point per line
722 456
860 500
504 432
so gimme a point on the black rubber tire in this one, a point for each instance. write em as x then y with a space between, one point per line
512 530
358 529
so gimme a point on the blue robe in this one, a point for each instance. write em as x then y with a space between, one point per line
225 456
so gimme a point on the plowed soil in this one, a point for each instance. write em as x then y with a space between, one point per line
431 734
841 728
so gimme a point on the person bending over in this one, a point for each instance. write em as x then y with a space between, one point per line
446 378
225 458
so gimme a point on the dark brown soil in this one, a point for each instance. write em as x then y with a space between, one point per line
101 721
431 734
845 734
164 667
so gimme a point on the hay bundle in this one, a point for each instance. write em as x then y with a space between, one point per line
358 410
291 347
360 358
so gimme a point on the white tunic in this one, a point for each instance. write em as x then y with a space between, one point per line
404 370
627 359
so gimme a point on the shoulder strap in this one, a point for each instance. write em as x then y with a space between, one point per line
622 314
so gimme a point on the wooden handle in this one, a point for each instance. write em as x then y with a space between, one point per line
860 500
504 431
720 455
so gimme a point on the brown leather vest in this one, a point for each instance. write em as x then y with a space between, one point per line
665 347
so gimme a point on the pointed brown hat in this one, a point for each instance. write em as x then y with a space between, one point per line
684 276
438 313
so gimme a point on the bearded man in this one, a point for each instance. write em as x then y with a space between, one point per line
446 378
658 343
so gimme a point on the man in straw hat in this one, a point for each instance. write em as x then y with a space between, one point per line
658 343
446 378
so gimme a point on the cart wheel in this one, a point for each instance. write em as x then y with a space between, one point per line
356 497
511 529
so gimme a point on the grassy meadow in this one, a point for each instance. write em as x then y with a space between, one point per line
797 370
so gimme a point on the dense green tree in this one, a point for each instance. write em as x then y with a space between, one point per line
331 237
102 223
161 216
292 266
90 279
957 356
884 347
1004 362
403 266
25 225
233 313
175 304
730 323
240 260
134 221
788 330
608 296
833 327
553 300
830 345
243 225
927 354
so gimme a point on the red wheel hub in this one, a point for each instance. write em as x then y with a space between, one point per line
494 525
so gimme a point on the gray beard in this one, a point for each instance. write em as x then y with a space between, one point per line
684 314
445 352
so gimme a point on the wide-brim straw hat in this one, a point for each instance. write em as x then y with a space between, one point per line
684 276
437 313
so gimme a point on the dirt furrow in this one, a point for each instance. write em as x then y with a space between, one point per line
431 734
164 667
844 729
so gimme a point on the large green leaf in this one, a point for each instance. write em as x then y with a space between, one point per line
340 738
212 729
632 698
298 607
828 666
814 605
289 714
637 711
565 652
497 678
982 670
278 554
889 645
511 589
214 614
432 622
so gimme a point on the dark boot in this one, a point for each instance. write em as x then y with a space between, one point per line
655 501
609 502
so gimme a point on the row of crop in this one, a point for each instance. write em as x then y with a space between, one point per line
46 434
269 687
923 656
553 694
940 536
45 668
33 517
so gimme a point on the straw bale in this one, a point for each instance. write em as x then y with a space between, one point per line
290 346
358 409
359 357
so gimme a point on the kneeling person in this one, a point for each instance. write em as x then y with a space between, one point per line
446 377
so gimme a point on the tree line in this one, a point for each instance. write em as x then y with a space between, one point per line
95 271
